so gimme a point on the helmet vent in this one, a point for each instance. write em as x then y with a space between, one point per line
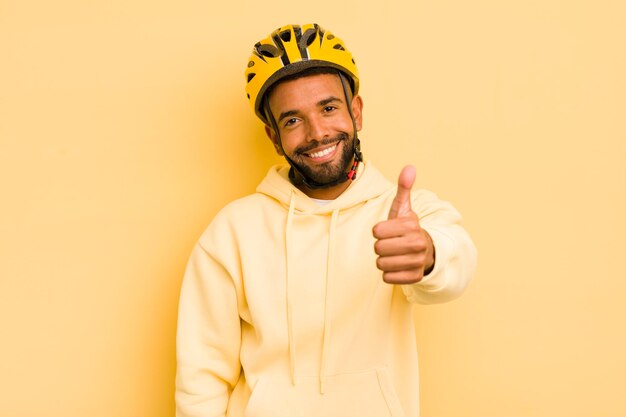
339 47
307 38
268 50
251 76
285 35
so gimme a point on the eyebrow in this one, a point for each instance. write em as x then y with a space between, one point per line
320 103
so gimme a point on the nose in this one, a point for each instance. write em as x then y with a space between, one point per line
317 129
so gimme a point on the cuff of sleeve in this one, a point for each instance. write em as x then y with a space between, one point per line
437 280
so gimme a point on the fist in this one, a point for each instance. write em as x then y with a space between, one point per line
405 251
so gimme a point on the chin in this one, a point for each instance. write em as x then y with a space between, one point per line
330 171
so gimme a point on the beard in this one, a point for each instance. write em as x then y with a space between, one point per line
328 173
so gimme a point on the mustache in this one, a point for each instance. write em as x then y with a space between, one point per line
317 143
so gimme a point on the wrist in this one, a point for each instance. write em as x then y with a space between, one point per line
430 255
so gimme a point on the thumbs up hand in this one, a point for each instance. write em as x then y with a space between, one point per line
404 249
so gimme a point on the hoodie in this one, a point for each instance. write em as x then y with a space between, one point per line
283 311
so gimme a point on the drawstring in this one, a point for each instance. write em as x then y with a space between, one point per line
290 335
330 270
329 278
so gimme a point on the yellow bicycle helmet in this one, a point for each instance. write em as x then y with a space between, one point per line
292 49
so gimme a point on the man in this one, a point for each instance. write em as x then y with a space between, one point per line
297 299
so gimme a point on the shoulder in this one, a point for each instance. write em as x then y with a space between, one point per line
248 205
430 208
245 213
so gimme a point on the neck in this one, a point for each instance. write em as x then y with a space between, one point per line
329 193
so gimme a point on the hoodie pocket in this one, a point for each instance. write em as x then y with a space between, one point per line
365 394
389 393
265 400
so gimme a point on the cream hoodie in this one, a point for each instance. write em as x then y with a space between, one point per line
284 313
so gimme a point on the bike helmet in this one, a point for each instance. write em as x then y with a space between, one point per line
292 49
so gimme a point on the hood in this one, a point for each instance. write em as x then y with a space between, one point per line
369 184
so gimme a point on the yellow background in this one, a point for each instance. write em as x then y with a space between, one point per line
124 127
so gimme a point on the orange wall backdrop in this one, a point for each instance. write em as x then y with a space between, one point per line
124 128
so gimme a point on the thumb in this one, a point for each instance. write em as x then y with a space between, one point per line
401 205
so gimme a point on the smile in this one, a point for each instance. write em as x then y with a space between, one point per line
323 152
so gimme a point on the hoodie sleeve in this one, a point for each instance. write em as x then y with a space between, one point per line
208 337
455 253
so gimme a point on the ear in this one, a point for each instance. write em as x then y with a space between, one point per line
274 139
357 111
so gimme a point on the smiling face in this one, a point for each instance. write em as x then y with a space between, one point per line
316 130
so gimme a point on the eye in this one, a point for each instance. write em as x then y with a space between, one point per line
328 109
291 121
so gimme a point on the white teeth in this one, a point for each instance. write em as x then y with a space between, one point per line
323 153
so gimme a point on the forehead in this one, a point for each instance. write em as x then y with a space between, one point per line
306 90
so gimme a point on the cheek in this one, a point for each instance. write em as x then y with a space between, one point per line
346 124
290 141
